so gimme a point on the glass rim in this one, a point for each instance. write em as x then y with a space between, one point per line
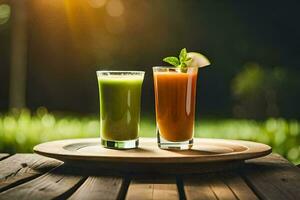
169 67
119 72
164 67
173 69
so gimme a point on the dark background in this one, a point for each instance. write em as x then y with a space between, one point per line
254 48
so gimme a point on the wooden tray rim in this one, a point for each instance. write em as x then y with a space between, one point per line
55 149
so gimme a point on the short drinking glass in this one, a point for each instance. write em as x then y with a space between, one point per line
120 101
175 99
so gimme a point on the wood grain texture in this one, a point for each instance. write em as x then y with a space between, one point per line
19 168
100 187
163 188
237 185
21 177
198 187
207 186
57 183
3 155
220 189
203 151
225 185
273 177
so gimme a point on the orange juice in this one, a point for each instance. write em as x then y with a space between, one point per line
175 96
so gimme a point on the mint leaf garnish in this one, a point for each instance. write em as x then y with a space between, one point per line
180 63
172 60
182 55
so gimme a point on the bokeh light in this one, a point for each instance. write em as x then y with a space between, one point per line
4 13
97 3
115 8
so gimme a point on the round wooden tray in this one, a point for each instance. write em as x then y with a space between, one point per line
204 154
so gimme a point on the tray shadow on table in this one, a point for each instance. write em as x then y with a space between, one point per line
150 168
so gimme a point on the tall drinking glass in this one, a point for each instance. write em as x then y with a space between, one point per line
175 99
120 102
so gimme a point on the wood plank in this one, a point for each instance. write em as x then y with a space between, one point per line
101 187
3 155
59 183
197 187
238 186
221 190
20 168
146 188
207 186
273 177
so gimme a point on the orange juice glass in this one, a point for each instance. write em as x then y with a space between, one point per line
175 101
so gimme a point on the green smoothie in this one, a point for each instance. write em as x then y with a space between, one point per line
120 101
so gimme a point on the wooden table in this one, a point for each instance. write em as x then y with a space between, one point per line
30 176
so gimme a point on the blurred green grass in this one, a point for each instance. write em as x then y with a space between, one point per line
21 130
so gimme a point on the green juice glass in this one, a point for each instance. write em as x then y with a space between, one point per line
120 105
